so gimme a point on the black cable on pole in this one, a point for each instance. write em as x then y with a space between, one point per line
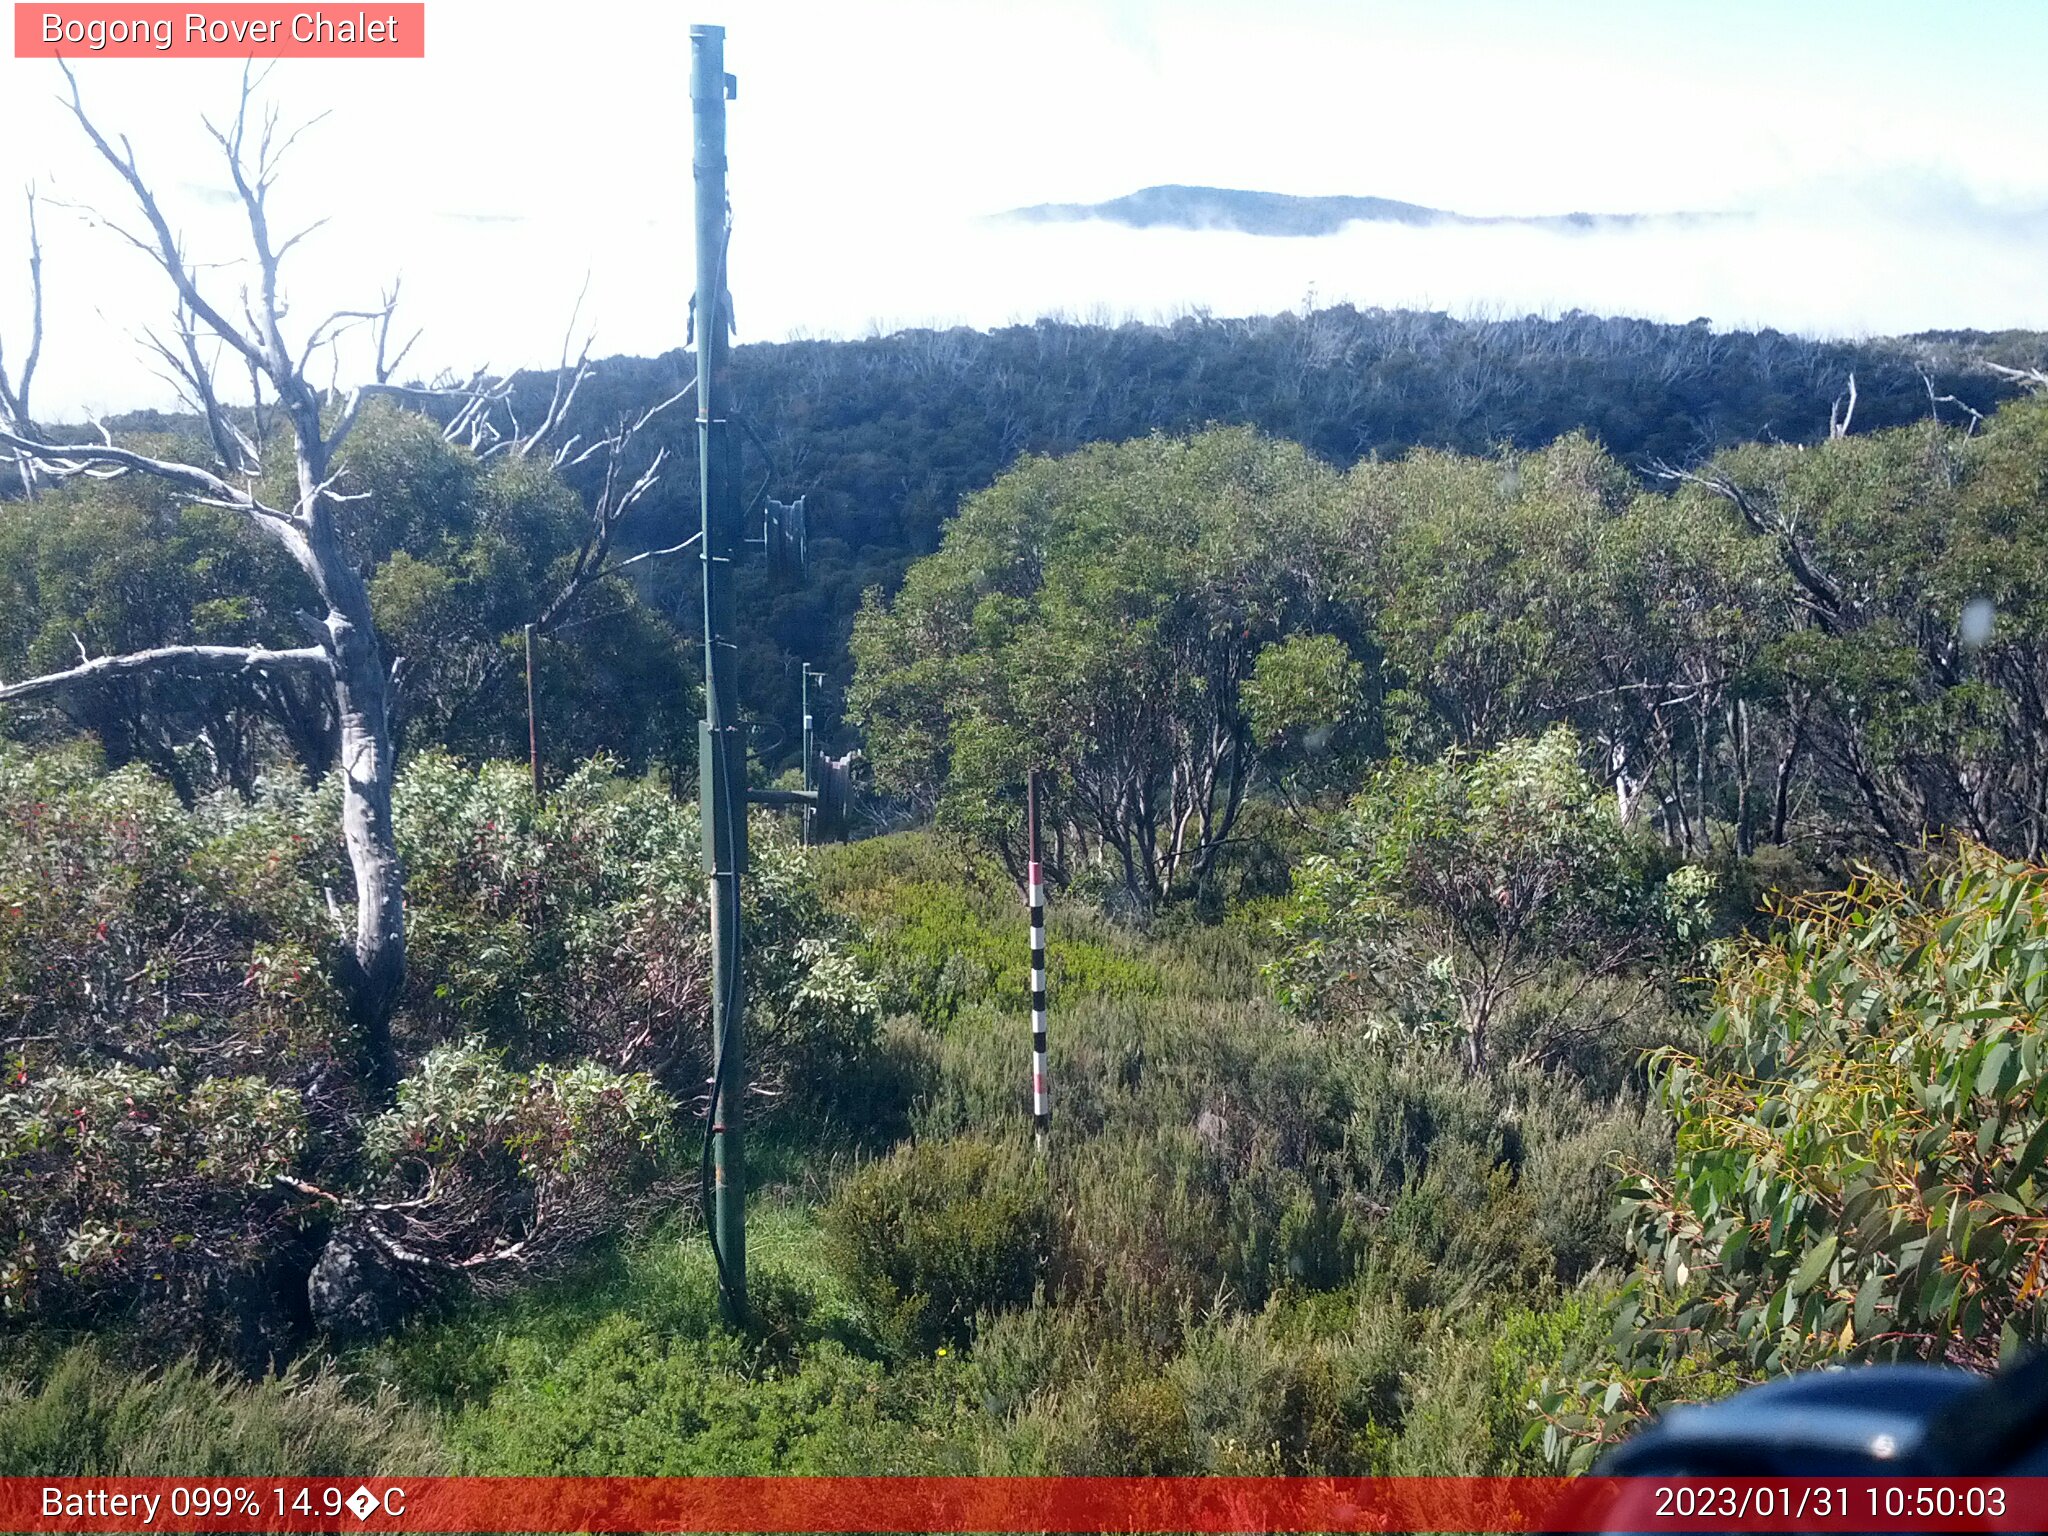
768 476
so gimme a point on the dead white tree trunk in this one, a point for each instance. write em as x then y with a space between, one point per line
14 390
345 658
1841 414
345 655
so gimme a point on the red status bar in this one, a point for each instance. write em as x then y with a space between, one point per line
1076 1504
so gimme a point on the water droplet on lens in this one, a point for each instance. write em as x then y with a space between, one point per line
1980 617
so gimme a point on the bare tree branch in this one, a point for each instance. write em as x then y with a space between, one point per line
165 250
2033 378
567 381
103 460
388 362
656 554
473 424
193 379
14 394
1936 402
1823 594
333 328
615 497
312 228
185 660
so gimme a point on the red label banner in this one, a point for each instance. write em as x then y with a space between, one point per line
379 30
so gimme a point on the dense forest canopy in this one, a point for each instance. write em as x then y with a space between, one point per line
885 436
1832 650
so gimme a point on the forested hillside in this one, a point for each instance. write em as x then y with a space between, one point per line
1487 772
885 436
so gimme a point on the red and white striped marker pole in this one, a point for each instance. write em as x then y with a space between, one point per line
1041 1101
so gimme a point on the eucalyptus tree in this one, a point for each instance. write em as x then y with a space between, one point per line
1098 617
1672 640
1479 567
1449 888
1916 561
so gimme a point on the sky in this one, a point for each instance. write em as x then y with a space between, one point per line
1890 162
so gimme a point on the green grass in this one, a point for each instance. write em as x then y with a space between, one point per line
86 1411
624 1369
664 1280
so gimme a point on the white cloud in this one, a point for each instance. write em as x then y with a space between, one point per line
1831 267
1892 157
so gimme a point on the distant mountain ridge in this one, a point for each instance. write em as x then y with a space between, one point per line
1283 214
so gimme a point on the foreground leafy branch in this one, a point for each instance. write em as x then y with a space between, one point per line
1862 1150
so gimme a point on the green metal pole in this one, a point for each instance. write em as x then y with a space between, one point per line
532 724
808 814
721 749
